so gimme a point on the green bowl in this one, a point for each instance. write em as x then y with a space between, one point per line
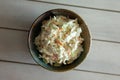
36 29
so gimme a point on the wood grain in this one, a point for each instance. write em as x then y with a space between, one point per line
20 15
12 71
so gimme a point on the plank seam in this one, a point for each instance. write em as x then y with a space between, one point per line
14 29
98 72
73 69
108 41
101 40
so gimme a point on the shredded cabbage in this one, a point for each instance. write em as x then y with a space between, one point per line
59 41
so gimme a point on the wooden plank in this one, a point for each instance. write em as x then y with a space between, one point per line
103 56
13 46
28 72
20 15
102 4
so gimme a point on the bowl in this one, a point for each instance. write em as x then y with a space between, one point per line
36 29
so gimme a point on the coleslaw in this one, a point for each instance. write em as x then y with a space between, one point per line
59 41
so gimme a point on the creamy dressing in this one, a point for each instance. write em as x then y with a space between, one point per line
60 40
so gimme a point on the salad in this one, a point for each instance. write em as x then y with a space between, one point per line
59 41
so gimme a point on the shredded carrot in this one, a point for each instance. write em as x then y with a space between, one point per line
68 51
58 42
55 57
60 28
80 39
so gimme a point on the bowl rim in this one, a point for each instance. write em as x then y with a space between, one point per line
30 33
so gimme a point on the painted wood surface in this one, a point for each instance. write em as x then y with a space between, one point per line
102 62
11 71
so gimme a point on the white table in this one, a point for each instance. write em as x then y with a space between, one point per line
102 18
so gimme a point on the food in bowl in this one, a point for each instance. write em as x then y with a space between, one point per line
59 41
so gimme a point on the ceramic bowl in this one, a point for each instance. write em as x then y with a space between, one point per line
36 29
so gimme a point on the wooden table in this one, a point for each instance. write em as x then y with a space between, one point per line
102 18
